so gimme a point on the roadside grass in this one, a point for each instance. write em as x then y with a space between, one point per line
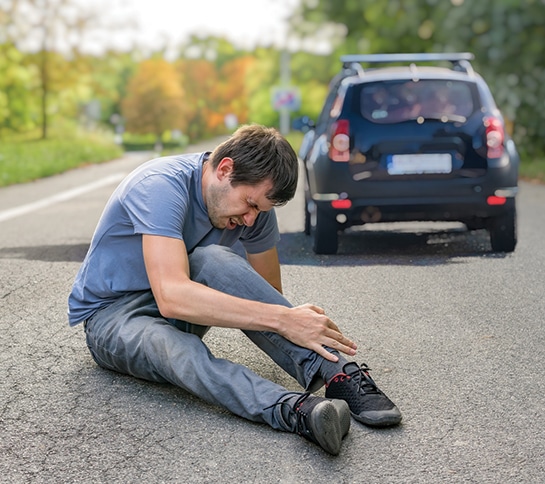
26 160
533 170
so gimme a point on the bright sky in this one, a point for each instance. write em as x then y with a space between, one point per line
246 23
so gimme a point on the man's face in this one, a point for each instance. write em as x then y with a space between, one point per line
230 206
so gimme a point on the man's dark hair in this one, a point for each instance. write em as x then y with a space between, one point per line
260 153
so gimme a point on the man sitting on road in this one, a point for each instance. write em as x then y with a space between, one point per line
160 271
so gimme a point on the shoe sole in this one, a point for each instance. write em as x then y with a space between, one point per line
344 416
329 424
380 418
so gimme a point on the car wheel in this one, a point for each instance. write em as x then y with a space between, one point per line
307 217
325 234
503 231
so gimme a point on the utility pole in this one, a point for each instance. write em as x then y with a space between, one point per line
285 81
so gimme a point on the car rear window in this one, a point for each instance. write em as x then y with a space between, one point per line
397 101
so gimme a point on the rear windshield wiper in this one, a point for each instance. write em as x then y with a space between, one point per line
445 118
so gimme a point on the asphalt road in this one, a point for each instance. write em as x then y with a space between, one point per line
454 335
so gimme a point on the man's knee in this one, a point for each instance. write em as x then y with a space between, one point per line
205 262
212 253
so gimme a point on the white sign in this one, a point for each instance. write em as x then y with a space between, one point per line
286 98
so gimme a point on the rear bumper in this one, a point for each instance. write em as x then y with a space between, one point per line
411 199
404 209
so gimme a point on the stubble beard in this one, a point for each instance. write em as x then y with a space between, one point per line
214 200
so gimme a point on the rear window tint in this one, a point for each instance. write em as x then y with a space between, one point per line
397 101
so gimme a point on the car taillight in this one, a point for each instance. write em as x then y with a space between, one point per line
341 203
339 149
495 200
494 137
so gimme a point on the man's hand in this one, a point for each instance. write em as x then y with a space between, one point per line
310 328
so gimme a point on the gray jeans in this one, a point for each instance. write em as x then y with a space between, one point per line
130 336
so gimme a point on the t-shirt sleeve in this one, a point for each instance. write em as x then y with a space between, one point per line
157 205
263 235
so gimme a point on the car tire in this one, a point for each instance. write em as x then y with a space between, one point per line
307 217
503 231
326 238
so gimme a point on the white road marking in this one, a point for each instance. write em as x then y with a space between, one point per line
60 197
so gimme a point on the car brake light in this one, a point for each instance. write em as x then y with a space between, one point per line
339 149
494 137
342 203
494 200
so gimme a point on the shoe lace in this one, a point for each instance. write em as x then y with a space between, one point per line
295 409
300 416
366 384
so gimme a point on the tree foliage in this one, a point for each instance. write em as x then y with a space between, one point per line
155 99
214 76
51 30
262 76
234 90
17 106
108 81
200 80
211 78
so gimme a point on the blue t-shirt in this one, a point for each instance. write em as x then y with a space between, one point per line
161 197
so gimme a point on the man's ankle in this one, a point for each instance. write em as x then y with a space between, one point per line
328 369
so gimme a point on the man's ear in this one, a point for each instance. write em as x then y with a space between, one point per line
225 168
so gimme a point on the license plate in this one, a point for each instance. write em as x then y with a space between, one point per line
419 164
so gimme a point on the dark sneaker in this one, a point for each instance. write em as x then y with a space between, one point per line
322 421
367 403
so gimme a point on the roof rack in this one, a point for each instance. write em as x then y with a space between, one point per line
460 60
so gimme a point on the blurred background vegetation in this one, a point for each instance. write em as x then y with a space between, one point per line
60 108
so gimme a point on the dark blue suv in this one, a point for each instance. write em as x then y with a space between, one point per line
415 137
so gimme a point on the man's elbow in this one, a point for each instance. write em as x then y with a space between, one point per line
168 311
167 304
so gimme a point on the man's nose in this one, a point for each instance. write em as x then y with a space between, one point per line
250 216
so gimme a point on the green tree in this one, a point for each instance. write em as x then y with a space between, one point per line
108 81
47 28
17 106
311 74
507 38
263 75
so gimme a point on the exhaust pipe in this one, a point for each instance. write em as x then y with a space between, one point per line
371 215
